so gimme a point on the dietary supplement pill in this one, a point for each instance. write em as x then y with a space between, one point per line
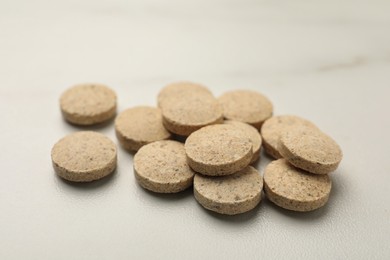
88 104
84 156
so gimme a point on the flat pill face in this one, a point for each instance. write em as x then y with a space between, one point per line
88 104
273 128
246 106
233 194
190 109
218 150
253 135
84 156
162 167
139 126
295 189
180 89
310 149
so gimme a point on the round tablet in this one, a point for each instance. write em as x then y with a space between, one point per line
310 149
230 195
253 135
185 113
246 106
88 104
179 89
84 156
218 150
294 189
162 167
138 126
272 130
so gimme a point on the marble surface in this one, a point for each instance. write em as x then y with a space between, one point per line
328 61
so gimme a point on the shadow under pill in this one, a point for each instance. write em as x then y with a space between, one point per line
92 185
317 214
239 218
94 127
170 197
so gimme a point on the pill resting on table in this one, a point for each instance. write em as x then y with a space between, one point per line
84 156
88 104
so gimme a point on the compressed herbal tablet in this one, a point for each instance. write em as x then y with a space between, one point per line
84 156
310 149
162 167
295 189
253 135
139 126
230 195
218 150
180 89
189 110
273 128
88 104
246 106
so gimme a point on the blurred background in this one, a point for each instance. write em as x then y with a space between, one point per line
328 61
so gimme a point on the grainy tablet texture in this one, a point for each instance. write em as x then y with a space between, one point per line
138 126
162 167
230 195
179 89
273 128
218 150
88 104
253 135
84 156
310 149
294 189
246 106
190 109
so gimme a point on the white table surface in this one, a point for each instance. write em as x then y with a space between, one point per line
328 61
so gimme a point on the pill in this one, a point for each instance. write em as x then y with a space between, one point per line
218 150
272 129
84 156
253 135
294 189
246 106
310 149
179 89
230 195
162 167
138 126
88 104
185 113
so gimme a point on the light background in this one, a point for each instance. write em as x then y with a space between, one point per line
328 61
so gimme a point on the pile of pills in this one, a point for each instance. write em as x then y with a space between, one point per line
223 138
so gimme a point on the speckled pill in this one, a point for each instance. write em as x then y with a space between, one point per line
138 126
162 167
84 156
218 150
295 189
88 104
230 195
310 149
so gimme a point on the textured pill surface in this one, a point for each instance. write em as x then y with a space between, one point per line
189 110
310 149
84 156
231 195
246 106
180 89
294 189
217 150
138 126
88 104
273 128
253 135
162 167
